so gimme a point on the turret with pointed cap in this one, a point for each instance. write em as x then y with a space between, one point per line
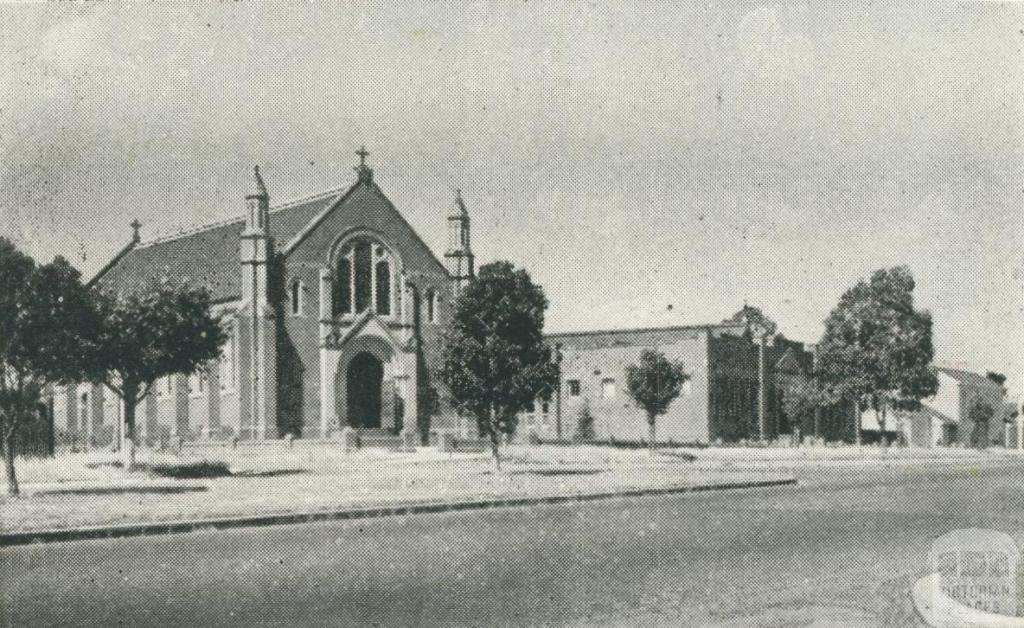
256 245
257 202
459 257
257 400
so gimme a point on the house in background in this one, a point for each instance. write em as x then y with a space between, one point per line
944 419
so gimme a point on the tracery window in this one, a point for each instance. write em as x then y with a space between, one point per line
364 278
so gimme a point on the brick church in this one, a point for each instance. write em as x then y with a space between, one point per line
334 308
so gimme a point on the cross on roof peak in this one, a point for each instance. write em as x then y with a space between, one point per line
363 154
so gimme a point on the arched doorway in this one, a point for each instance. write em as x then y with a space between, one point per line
365 378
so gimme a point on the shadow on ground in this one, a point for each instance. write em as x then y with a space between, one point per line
203 470
554 472
122 490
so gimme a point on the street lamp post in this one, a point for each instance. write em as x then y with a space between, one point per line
761 332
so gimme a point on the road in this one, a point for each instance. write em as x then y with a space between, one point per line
841 550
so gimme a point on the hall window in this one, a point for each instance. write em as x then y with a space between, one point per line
607 388
574 387
295 297
363 278
431 306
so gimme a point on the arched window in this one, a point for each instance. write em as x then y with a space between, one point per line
431 306
343 287
364 278
383 287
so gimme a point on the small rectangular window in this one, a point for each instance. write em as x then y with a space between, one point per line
607 388
296 298
574 387
431 306
687 388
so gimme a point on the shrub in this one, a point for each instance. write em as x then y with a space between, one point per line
584 425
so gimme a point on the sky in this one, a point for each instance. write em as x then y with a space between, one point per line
649 164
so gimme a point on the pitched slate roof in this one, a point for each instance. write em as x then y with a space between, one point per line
209 255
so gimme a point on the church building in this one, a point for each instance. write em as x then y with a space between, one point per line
334 309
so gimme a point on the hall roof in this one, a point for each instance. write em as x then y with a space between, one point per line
644 336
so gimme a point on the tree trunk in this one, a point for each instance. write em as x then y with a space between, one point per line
856 420
495 441
9 452
495 453
128 450
650 434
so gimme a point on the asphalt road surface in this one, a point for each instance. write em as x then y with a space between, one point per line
841 551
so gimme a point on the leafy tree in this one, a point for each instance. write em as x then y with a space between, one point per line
654 382
45 314
980 413
877 349
494 359
757 324
998 378
160 330
800 398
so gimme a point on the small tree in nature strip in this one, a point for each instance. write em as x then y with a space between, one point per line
160 330
654 382
495 361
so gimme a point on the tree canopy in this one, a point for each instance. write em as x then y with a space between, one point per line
46 326
654 382
877 348
494 359
163 329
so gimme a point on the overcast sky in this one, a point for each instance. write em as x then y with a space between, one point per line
632 158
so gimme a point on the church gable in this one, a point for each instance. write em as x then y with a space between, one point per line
363 209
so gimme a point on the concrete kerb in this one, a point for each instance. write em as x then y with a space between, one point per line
29 537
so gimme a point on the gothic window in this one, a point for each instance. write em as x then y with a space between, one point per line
431 306
343 287
295 297
383 287
364 278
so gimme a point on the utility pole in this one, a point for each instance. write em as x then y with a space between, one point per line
558 392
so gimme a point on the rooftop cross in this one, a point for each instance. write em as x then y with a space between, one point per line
135 225
363 154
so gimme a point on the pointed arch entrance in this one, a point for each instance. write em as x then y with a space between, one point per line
364 386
